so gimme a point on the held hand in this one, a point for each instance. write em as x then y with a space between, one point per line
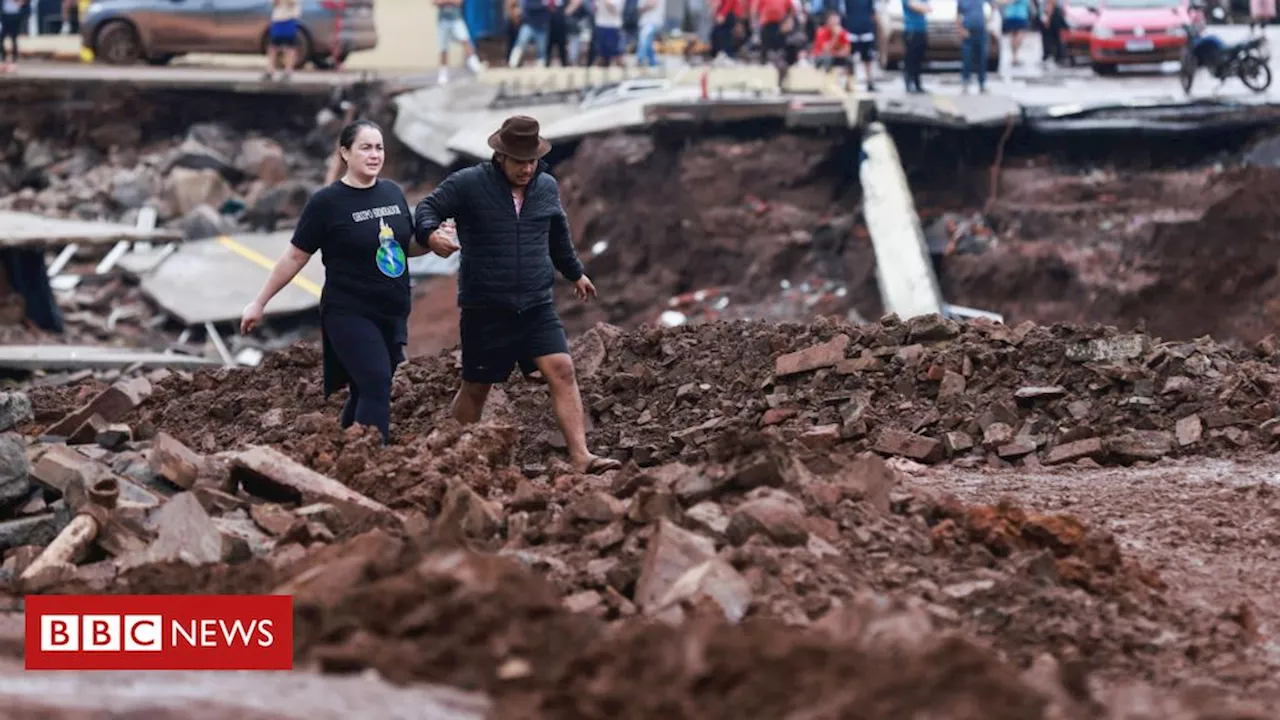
584 289
251 317
444 241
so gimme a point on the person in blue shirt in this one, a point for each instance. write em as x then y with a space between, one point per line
915 37
971 18
860 22
1017 20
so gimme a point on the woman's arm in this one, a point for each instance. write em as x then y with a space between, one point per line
285 270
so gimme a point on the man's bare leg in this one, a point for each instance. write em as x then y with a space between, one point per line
566 403
468 404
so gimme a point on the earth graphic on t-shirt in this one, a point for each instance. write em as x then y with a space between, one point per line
390 256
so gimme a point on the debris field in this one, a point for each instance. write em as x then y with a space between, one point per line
779 543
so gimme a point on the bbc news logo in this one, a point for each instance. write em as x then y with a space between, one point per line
159 632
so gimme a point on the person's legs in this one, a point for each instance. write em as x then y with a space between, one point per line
361 347
488 357
524 36
645 51
558 37
545 341
966 59
979 38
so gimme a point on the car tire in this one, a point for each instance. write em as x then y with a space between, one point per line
118 43
161 59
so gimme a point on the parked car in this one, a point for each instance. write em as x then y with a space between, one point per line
1080 15
1130 32
124 32
943 35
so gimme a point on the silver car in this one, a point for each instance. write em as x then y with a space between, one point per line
124 32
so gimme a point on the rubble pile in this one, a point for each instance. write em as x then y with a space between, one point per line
752 220
1185 253
777 575
210 181
928 390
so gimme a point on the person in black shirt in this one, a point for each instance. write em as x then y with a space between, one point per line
362 226
514 237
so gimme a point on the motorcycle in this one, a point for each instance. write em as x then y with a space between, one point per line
1246 60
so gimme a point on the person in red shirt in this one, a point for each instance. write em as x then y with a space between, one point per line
767 16
728 31
833 45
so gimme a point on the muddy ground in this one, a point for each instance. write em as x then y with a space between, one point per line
1065 542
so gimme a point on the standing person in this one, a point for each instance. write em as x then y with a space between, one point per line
860 21
558 32
1015 20
767 17
607 37
1261 14
1053 21
971 19
653 14
362 227
535 27
514 237
728 17
451 27
12 15
283 38
915 37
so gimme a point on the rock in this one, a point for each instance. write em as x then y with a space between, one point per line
1189 430
651 504
268 473
892 441
776 516
1028 395
202 222
112 405
120 135
714 580
952 385
244 538
35 530
15 409
114 436
185 189
277 203
15 470
597 507
997 434
193 154
672 551
931 328
957 442
775 416
174 461
264 159
1179 385
821 437
587 601
217 502
132 189
1072 451
464 514
61 466
273 518
811 358
868 479
1016 449
184 533
709 516
1139 445
1115 349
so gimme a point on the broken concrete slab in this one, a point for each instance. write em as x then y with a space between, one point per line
714 580
893 441
272 475
59 466
1108 350
825 354
112 405
76 357
15 469
1072 451
173 461
185 533
672 552
15 409
1138 445
20 229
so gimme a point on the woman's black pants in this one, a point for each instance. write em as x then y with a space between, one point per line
365 351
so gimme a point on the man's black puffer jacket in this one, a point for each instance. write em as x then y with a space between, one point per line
508 262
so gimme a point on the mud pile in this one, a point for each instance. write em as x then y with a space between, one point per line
928 390
1185 253
722 570
765 227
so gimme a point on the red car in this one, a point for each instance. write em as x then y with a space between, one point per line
1080 15
1130 32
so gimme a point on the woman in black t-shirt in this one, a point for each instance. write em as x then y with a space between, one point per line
363 228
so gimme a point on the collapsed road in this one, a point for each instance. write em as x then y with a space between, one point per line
819 516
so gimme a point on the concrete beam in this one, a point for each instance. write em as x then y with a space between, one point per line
908 285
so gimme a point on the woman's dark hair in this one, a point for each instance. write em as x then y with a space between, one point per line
348 136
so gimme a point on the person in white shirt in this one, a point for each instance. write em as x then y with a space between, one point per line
653 14
608 32
451 26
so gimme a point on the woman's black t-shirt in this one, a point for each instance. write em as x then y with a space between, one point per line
362 235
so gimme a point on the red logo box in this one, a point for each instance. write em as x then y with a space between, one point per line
159 632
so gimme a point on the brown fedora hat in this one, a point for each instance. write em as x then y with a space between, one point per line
518 138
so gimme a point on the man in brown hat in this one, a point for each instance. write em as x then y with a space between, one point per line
514 236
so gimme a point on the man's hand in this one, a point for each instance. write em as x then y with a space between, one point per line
584 289
444 241
251 317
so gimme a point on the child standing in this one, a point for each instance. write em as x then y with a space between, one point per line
283 37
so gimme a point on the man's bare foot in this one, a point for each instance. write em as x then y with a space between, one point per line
594 465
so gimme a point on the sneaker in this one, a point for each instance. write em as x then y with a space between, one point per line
474 63
442 77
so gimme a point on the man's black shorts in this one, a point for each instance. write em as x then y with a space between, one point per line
493 341
865 50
